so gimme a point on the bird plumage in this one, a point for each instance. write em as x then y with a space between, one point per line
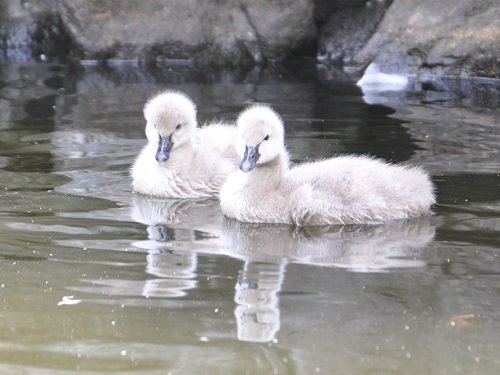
181 160
341 190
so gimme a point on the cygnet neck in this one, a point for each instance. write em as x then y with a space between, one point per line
276 167
182 154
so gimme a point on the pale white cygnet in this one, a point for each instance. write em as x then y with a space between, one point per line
340 190
181 160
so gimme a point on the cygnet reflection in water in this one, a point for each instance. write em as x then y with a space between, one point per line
176 274
173 226
257 309
357 247
266 249
196 215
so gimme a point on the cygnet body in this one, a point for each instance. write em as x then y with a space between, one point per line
341 190
181 160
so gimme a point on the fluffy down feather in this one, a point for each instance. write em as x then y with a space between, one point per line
199 159
341 190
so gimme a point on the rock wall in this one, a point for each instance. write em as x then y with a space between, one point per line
457 38
222 32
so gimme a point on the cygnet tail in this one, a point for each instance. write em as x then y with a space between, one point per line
421 192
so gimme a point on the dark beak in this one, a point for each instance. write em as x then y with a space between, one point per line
164 147
249 159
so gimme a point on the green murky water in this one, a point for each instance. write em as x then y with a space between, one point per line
94 279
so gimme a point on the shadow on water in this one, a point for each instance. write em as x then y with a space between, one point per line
355 127
98 279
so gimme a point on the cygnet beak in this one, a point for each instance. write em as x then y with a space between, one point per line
250 159
163 151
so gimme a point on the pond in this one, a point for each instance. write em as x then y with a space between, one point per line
95 279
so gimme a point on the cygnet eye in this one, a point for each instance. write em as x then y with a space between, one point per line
266 138
178 127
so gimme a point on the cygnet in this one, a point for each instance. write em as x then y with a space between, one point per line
341 190
181 160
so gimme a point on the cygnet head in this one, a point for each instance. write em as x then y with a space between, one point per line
170 122
260 136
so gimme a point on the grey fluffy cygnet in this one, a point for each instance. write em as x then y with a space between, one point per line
181 160
341 190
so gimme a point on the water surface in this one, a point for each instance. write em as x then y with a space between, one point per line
96 279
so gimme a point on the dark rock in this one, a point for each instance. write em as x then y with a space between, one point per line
31 31
347 30
324 8
436 38
219 32
49 39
